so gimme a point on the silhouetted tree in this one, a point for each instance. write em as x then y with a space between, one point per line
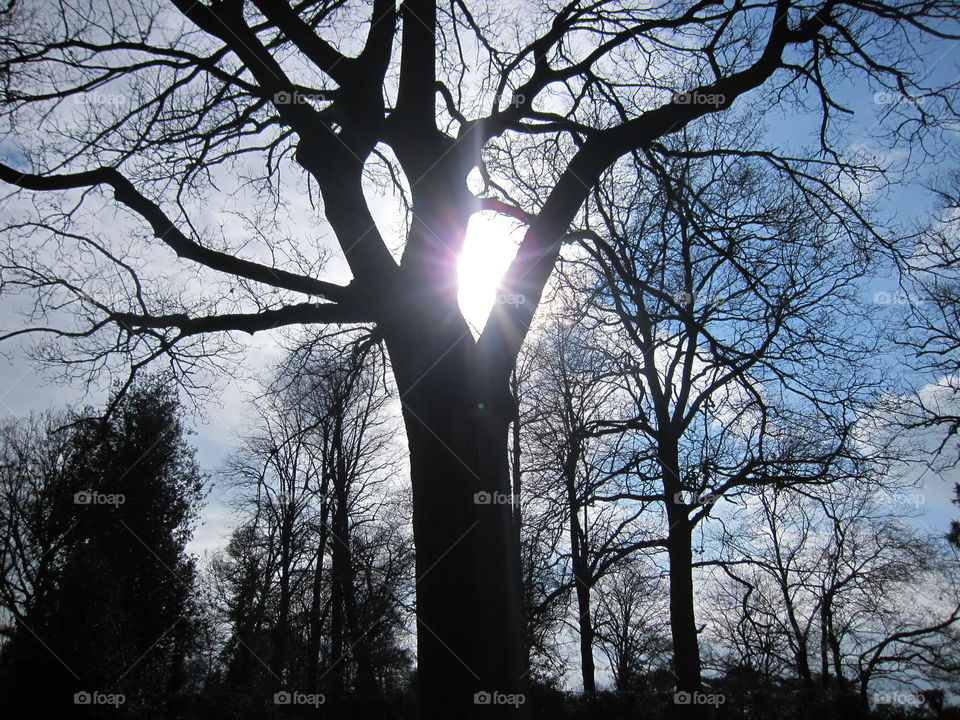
325 96
574 466
632 625
931 275
314 583
827 574
108 602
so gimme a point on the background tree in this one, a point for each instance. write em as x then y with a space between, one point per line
826 574
316 577
575 466
735 285
931 282
109 606
544 580
631 623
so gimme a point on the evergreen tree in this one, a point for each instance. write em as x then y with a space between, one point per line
114 613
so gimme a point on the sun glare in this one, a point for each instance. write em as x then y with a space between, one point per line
490 245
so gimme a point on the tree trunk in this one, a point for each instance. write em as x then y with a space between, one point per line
315 623
339 582
343 577
316 620
801 651
686 647
279 659
824 658
848 703
470 641
582 582
683 624
587 668
516 464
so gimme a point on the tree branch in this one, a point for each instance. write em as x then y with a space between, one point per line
165 230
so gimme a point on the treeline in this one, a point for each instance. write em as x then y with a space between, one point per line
813 589
313 592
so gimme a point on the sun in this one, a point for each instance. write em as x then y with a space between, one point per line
490 245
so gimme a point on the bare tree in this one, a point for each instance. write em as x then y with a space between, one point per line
828 575
632 623
930 332
574 465
315 482
274 475
341 395
244 92
544 579
736 291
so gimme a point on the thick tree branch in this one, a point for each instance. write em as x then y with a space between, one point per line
302 314
321 53
530 270
167 231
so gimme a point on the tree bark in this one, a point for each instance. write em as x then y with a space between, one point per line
582 582
683 624
470 637
315 620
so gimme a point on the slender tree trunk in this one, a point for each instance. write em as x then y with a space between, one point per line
863 702
848 704
279 659
824 658
315 624
358 644
516 476
582 582
801 654
516 465
470 640
338 569
683 623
